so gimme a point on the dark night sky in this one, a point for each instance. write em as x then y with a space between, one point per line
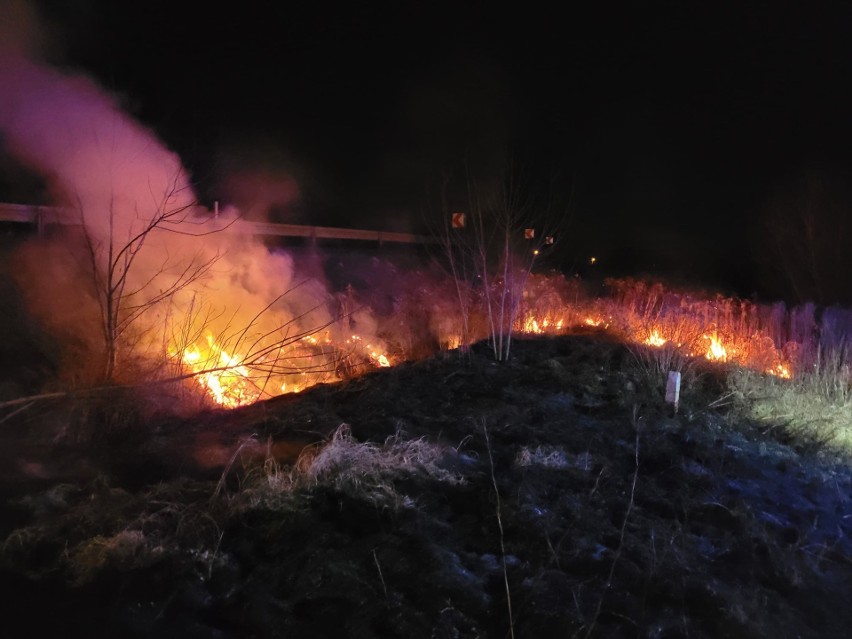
681 128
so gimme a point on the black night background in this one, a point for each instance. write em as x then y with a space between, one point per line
685 140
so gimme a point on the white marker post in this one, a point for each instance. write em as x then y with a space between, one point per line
673 389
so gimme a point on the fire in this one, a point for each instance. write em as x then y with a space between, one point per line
231 382
234 379
531 325
379 359
716 352
655 339
780 370
221 375
452 342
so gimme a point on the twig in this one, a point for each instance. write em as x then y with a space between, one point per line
381 576
500 526
721 401
221 484
29 399
16 411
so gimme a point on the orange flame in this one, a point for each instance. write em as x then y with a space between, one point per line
655 339
230 382
227 379
716 352
780 370
533 326
221 375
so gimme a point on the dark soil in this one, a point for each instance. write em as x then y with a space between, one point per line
587 508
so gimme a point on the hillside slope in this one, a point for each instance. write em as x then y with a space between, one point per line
552 495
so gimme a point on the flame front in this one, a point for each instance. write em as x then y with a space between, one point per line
230 381
710 330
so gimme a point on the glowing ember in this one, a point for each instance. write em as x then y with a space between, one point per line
590 321
716 352
655 339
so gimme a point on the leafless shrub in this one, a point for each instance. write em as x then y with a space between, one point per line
492 255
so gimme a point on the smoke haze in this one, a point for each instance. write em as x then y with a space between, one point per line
116 178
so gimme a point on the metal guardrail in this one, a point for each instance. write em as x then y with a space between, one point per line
42 215
32 214
326 232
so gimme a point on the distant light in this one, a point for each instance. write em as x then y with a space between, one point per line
535 252
592 260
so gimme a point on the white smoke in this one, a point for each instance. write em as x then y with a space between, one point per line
117 177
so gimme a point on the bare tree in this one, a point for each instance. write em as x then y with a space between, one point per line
507 227
124 293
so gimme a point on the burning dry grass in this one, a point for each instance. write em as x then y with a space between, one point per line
308 335
790 366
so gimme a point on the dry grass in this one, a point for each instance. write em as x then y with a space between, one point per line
126 550
653 363
362 469
814 409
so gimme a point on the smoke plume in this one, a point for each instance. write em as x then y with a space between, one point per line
138 225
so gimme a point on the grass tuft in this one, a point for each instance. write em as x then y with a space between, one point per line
364 470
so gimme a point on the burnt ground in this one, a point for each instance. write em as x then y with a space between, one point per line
564 499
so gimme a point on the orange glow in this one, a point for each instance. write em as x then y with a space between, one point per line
780 370
718 330
655 339
716 352
221 375
230 381
533 326
380 360
452 342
